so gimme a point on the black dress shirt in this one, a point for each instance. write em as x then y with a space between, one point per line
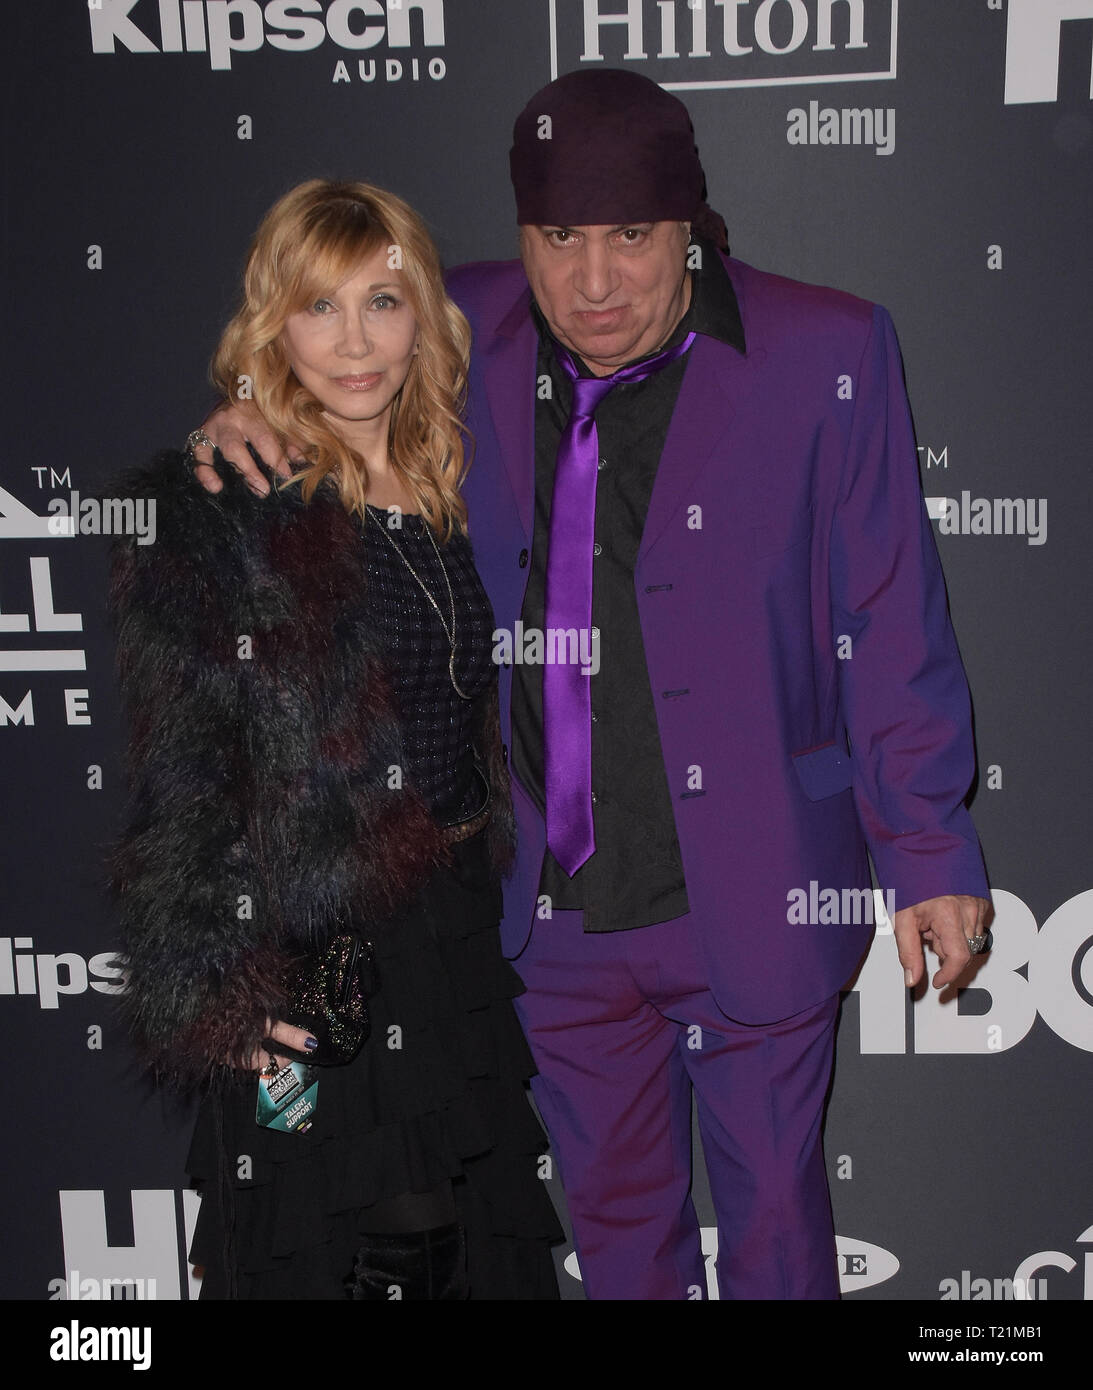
635 877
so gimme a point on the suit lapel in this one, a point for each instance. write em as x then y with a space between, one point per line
701 421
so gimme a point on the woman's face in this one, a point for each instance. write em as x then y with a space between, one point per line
352 349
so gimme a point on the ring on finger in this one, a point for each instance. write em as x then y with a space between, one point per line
194 440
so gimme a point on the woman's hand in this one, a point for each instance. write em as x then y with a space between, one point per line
297 1039
230 427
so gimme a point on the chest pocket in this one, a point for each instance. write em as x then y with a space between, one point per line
824 771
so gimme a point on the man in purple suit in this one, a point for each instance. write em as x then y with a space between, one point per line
705 475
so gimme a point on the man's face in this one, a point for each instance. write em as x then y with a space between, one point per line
610 294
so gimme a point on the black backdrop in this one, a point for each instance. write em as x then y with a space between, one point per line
138 160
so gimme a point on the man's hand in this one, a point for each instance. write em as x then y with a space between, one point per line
294 1038
945 923
229 427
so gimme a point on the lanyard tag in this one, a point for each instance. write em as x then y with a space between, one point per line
287 1099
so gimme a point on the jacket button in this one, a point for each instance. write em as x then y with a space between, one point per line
523 559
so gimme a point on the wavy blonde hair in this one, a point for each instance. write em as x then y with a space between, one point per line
310 242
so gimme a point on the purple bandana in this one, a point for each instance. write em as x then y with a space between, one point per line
605 148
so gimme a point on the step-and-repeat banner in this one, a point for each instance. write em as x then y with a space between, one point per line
934 155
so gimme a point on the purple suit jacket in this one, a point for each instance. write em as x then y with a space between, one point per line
786 526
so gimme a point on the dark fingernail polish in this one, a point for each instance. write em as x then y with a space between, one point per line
311 1044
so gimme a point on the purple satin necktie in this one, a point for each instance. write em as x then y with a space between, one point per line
567 699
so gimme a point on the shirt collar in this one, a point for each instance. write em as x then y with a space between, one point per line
714 310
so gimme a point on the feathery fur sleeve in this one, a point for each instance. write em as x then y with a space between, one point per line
202 974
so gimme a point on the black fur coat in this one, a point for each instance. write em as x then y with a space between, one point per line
262 735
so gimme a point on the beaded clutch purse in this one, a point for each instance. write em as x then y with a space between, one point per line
328 995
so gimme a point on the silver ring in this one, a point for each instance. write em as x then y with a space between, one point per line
194 439
978 944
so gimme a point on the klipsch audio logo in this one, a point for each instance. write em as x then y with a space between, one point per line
50 974
728 43
224 28
1034 41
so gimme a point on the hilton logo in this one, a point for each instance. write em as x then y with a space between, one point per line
728 43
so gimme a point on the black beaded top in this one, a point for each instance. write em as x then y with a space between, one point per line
438 726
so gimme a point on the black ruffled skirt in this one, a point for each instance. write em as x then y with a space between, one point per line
437 1092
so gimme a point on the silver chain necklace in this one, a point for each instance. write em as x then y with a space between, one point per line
449 632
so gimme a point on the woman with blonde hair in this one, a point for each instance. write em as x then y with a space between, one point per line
309 881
